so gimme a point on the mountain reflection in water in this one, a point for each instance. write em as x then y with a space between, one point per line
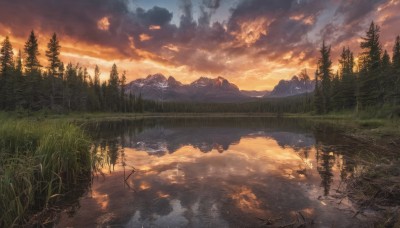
219 172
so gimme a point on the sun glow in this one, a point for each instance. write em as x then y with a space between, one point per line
251 31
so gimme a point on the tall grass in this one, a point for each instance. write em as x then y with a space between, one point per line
39 162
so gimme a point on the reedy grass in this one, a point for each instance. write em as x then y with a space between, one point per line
39 161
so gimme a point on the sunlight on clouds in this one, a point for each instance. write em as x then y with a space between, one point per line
171 47
154 27
251 31
144 37
103 24
301 17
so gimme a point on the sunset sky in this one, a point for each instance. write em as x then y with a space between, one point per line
252 43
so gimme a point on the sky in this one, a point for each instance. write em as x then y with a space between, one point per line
252 43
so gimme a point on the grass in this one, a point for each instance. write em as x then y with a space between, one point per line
39 162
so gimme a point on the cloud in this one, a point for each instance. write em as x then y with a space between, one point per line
257 39
155 16
212 4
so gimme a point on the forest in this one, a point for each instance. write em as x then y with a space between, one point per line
27 85
369 81
373 81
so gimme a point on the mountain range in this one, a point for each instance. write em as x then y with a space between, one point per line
295 86
160 88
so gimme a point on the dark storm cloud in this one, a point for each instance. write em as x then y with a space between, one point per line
154 16
353 15
260 29
287 24
355 11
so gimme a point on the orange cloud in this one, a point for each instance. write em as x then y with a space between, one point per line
154 27
251 31
259 43
103 24
144 37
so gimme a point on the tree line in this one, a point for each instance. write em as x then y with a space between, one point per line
26 84
373 81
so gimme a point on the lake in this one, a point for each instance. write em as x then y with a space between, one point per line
217 172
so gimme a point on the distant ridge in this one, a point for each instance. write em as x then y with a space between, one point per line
292 87
211 90
158 87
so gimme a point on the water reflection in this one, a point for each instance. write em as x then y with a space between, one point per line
215 173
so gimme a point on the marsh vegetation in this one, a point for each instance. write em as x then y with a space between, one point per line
40 161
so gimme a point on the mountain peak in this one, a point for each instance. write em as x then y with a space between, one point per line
206 81
156 77
158 87
292 87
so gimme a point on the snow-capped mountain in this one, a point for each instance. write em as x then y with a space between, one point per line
295 86
158 87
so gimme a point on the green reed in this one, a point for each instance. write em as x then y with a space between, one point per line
39 162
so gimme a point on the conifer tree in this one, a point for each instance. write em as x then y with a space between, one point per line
318 95
19 92
32 52
18 61
122 96
324 74
386 85
6 57
97 87
113 89
53 55
370 86
337 98
6 75
396 71
347 80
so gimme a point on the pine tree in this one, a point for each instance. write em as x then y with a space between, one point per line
337 98
318 95
32 52
6 77
70 87
370 86
32 86
53 55
122 96
323 77
386 85
96 80
113 89
18 61
6 57
97 88
19 92
347 79
396 71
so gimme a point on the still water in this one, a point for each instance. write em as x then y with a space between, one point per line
219 172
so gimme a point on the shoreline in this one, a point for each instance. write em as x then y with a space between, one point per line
382 135
380 130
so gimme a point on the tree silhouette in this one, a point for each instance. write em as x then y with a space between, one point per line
370 86
323 77
32 53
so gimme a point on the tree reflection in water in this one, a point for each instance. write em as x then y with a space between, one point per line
217 172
